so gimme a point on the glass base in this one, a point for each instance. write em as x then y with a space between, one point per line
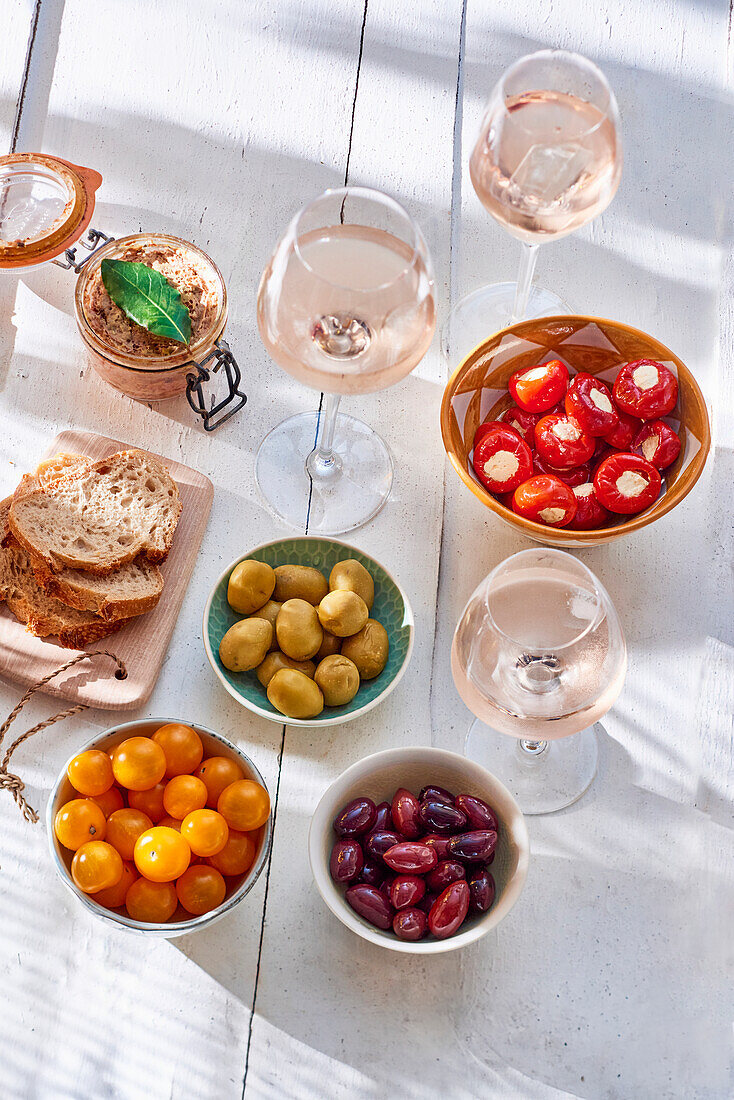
543 779
488 310
324 499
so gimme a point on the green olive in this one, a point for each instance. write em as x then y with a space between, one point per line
299 582
251 585
351 576
338 679
298 630
343 613
245 644
268 611
368 649
277 660
295 694
331 644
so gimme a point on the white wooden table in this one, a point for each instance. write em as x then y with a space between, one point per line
215 120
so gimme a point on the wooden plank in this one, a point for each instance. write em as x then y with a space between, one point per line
141 645
17 20
215 123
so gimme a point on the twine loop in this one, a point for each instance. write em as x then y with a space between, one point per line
13 783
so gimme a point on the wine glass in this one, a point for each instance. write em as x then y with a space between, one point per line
548 159
539 655
346 305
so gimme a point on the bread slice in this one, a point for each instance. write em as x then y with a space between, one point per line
102 518
132 590
60 466
43 615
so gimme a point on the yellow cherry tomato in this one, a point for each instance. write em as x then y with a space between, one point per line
217 772
183 794
182 748
78 822
151 902
150 802
237 855
138 763
206 832
90 772
114 896
110 801
244 805
201 889
124 827
96 866
161 854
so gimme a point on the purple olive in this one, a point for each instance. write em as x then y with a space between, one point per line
410 924
478 813
438 794
439 817
446 872
378 843
440 843
356 818
481 889
384 818
428 902
473 847
373 871
346 861
405 811
371 905
411 858
449 910
407 890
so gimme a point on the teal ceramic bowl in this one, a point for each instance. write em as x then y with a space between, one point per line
391 608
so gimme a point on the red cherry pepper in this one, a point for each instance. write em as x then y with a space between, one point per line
502 461
624 432
589 402
576 475
658 443
487 427
626 483
645 388
535 389
589 512
561 441
545 499
522 421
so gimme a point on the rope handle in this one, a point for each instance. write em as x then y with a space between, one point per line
13 783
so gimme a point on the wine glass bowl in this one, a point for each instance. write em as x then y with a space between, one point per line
477 391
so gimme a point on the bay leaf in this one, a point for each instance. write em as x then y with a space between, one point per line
147 298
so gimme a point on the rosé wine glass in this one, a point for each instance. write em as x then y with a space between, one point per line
346 306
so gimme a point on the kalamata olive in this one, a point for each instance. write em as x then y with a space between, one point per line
346 860
411 858
384 818
481 889
439 817
405 811
370 904
478 813
373 871
428 902
378 843
386 886
410 924
440 843
407 890
448 911
357 817
446 872
473 847
438 794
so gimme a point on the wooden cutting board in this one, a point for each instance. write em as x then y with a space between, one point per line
143 642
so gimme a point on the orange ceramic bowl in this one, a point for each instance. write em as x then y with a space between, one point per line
477 391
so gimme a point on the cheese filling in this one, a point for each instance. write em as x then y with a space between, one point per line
501 466
630 483
552 515
584 490
650 446
566 431
534 374
600 399
645 377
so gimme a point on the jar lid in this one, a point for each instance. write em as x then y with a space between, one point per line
45 206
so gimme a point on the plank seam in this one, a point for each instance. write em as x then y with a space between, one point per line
26 73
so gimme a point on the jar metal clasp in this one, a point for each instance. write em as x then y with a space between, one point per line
94 240
221 357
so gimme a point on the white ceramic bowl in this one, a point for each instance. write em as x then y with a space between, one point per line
181 921
378 777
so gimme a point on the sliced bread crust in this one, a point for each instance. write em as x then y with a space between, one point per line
99 519
132 590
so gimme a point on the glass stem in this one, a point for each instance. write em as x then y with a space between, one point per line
323 462
532 748
528 259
